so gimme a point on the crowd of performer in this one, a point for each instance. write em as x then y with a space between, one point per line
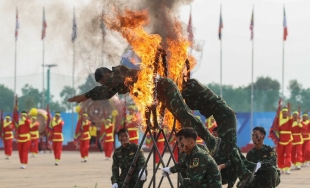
206 155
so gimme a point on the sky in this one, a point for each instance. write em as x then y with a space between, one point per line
236 43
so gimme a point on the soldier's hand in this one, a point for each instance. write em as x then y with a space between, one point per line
143 177
78 99
221 166
166 171
114 185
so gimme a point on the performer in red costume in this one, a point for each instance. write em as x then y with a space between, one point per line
132 125
7 131
57 137
306 138
284 148
297 143
82 134
23 139
34 136
107 136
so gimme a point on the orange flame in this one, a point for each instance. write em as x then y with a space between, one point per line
130 24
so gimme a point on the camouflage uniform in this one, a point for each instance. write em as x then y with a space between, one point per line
200 170
199 97
122 159
268 176
167 93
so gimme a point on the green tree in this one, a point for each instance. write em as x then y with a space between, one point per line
57 107
31 98
296 94
266 94
89 84
66 93
6 99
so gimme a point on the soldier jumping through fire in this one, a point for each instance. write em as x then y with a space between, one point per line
121 79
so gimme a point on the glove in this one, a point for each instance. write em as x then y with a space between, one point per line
258 165
143 177
166 171
114 185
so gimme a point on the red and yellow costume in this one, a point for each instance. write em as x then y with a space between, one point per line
297 143
284 148
34 137
57 137
306 139
23 139
210 124
7 131
132 123
107 135
82 132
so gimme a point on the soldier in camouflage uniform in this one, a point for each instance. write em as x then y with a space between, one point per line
227 171
268 176
199 97
121 79
198 166
122 159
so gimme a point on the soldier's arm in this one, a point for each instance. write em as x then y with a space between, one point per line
101 93
115 170
141 160
271 160
179 167
206 168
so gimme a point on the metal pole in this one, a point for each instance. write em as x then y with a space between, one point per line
252 89
15 71
43 94
73 91
48 85
283 70
221 76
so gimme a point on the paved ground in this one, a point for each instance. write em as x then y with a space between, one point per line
96 173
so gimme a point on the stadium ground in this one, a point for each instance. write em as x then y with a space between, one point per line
71 173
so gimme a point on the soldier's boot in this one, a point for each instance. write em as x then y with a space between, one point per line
246 179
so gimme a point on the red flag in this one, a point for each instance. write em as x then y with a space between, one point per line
44 25
16 25
221 25
48 118
252 25
1 123
15 118
190 28
285 33
274 132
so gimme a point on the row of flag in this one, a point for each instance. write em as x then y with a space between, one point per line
44 26
221 26
285 33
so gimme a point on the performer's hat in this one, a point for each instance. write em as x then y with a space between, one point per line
284 109
8 116
108 120
295 112
305 114
84 114
24 113
57 114
131 107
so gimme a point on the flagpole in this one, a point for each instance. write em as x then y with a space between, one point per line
15 67
221 75
43 63
283 69
73 72
252 78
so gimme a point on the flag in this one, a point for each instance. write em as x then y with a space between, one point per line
102 26
1 123
252 25
15 118
274 132
44 25
190 28
284 25
74 28
16 25
48 117
220 25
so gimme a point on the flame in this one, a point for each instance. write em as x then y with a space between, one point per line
147 47
130 24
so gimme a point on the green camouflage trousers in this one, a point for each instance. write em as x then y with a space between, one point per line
199 97
169 94
269 179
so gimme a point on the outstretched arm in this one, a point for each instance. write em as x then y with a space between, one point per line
97 93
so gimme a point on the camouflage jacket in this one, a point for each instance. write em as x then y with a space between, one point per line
119 82
122 159
200 169
266 155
